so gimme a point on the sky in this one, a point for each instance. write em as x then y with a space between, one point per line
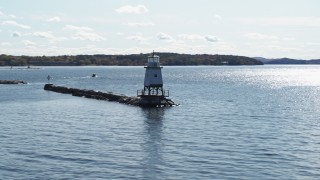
254 28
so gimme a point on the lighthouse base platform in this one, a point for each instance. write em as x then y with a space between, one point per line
155 101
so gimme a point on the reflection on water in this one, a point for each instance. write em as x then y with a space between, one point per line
152 162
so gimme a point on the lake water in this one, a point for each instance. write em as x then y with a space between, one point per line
242 122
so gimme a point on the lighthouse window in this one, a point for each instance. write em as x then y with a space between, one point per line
155 75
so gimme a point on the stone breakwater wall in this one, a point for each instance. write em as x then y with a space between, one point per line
135 101
12 82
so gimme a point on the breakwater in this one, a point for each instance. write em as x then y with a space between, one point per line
135 101
12 82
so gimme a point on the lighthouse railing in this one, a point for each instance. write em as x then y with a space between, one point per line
140 92
152 93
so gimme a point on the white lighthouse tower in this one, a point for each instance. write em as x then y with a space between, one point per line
153 93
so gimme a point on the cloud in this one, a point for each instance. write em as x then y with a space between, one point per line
289 39
191 36
142 24
194 37
88 36
258 36
48 35
1 14
54 19
84 33
28 43
57 39
139 9
137 38
77 28
4 16
210 38
16 34
5 44
281 21
120 33
14 23
12 16
282 48
164 36
217 16
44 34
313 43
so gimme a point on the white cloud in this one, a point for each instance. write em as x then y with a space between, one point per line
194 37
282 48
14 23
77 28
16 34
191 36
47 34
5 44
288 39
137 38
210 38
120 33
28 43
181 47
217 16
139 9
281 21
54 19
4 16
12 16
57 39
140 24
84 33
258 36
164 36
88 36
313 43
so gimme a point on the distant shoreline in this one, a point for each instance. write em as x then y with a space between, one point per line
167 59
288 61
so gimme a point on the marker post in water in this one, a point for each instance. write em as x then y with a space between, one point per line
48 77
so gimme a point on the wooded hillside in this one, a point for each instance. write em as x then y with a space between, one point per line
169 59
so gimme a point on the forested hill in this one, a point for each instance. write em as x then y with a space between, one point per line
169 59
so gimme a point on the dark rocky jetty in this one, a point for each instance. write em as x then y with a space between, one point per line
135 101
12 82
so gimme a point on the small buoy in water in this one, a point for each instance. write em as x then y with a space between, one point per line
94 75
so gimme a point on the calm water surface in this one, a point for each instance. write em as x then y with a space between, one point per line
248 122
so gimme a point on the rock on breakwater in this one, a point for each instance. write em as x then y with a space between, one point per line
135 101
12 82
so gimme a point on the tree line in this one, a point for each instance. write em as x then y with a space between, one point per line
169 59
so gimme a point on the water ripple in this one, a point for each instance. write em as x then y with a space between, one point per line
245 122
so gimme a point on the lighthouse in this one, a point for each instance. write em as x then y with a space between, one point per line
153 93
